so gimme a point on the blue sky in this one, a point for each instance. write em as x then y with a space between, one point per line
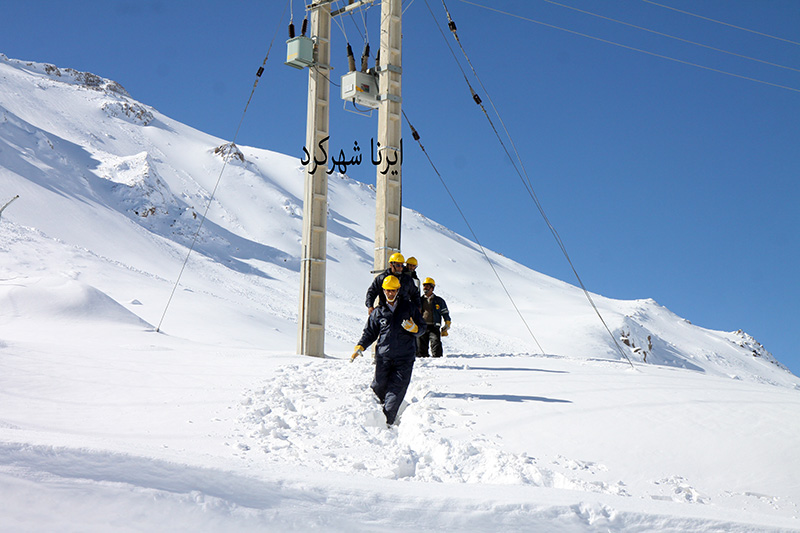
670 170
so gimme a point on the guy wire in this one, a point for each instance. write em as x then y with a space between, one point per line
226 157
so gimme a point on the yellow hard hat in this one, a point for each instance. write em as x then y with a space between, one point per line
397 257
391 283
429 281
411 261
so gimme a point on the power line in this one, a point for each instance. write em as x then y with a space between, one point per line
526 179
472 232
720 22
630 47
670 36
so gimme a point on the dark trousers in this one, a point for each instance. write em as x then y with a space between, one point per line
433 338
391 383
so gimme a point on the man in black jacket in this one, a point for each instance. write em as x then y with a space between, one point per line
395 325
434 310
411 270
408 290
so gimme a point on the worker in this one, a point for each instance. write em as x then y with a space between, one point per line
411 270
394 326
407 287
434 310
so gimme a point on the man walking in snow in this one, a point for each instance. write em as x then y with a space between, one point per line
395 324
408 291
434 309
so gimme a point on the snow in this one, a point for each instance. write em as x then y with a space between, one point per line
212 423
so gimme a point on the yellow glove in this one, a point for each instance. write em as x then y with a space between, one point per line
445 328
409 326
359 350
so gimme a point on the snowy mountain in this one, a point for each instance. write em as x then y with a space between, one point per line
215 424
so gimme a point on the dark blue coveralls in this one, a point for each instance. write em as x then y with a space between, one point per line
395 351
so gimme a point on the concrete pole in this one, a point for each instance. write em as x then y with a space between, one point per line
311 318
389 176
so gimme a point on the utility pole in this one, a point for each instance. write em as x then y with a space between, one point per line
311 318
389 195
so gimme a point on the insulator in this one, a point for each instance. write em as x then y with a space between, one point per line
476 98
260 72
365 58
304 27
351 60
452 26
414 134
291 30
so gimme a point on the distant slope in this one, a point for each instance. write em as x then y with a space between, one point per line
118 189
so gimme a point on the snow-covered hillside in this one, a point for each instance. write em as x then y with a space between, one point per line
214 423
90 163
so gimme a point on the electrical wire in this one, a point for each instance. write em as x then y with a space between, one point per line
226 157
526 179
472 232
355 24
321 73
341 28
363 12
723 23
670 36
681 61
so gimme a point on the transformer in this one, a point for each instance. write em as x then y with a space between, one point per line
300 52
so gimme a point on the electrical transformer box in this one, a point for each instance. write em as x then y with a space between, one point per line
360 88
300 52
